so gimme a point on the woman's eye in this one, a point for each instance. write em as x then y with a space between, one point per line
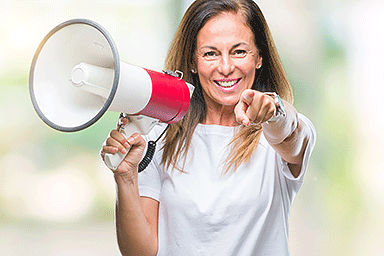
240 53
209 54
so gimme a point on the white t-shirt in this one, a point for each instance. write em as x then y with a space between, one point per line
206 212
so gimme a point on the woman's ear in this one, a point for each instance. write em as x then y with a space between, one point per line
259 63
193 66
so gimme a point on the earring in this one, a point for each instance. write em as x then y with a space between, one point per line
193 71
258 66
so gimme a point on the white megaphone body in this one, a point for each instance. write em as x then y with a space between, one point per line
76 76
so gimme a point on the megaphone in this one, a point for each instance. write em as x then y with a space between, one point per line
76 76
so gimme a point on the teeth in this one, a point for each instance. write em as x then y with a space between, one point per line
227 84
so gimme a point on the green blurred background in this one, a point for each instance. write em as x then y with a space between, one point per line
56 196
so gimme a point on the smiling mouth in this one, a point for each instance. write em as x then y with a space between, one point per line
227 83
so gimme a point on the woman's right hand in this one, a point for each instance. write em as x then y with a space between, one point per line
134 145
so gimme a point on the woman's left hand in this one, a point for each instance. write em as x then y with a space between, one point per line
254 107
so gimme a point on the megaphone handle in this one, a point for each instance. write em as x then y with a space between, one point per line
112 161
138 124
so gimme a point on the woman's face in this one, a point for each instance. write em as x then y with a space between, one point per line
226 58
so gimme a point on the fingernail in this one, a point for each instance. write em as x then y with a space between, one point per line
126 145
248 97
124 151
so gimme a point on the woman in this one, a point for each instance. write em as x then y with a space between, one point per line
223 179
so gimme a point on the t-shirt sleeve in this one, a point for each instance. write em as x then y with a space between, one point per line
150 183
294 184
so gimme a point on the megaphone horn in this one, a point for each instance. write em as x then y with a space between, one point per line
76 76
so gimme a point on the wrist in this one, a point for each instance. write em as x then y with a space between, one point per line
125 179
279 104
283 125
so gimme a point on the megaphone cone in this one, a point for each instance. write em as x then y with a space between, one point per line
76 76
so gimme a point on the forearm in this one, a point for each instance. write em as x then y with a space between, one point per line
288 136
134 233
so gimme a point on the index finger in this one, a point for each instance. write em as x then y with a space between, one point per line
247 96
242 106
123 120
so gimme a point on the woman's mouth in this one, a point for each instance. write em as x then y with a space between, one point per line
227 83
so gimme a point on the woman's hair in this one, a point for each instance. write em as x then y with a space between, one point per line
269 78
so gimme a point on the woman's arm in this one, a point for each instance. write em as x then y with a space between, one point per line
136 220
288 135
136 217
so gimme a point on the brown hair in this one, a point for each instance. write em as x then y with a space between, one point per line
270 77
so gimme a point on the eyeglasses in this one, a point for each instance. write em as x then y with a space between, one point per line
215 55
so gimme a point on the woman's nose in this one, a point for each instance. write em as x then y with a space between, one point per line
226 66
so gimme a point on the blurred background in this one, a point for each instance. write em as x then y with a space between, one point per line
56 196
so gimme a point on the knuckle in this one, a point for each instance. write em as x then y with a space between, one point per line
265 98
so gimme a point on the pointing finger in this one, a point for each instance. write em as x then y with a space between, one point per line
247 96
242 107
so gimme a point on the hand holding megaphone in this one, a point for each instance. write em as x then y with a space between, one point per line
137 124
76 76
118 145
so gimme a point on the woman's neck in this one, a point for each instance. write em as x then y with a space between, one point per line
223 115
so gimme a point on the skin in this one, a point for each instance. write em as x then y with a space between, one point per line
225 36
